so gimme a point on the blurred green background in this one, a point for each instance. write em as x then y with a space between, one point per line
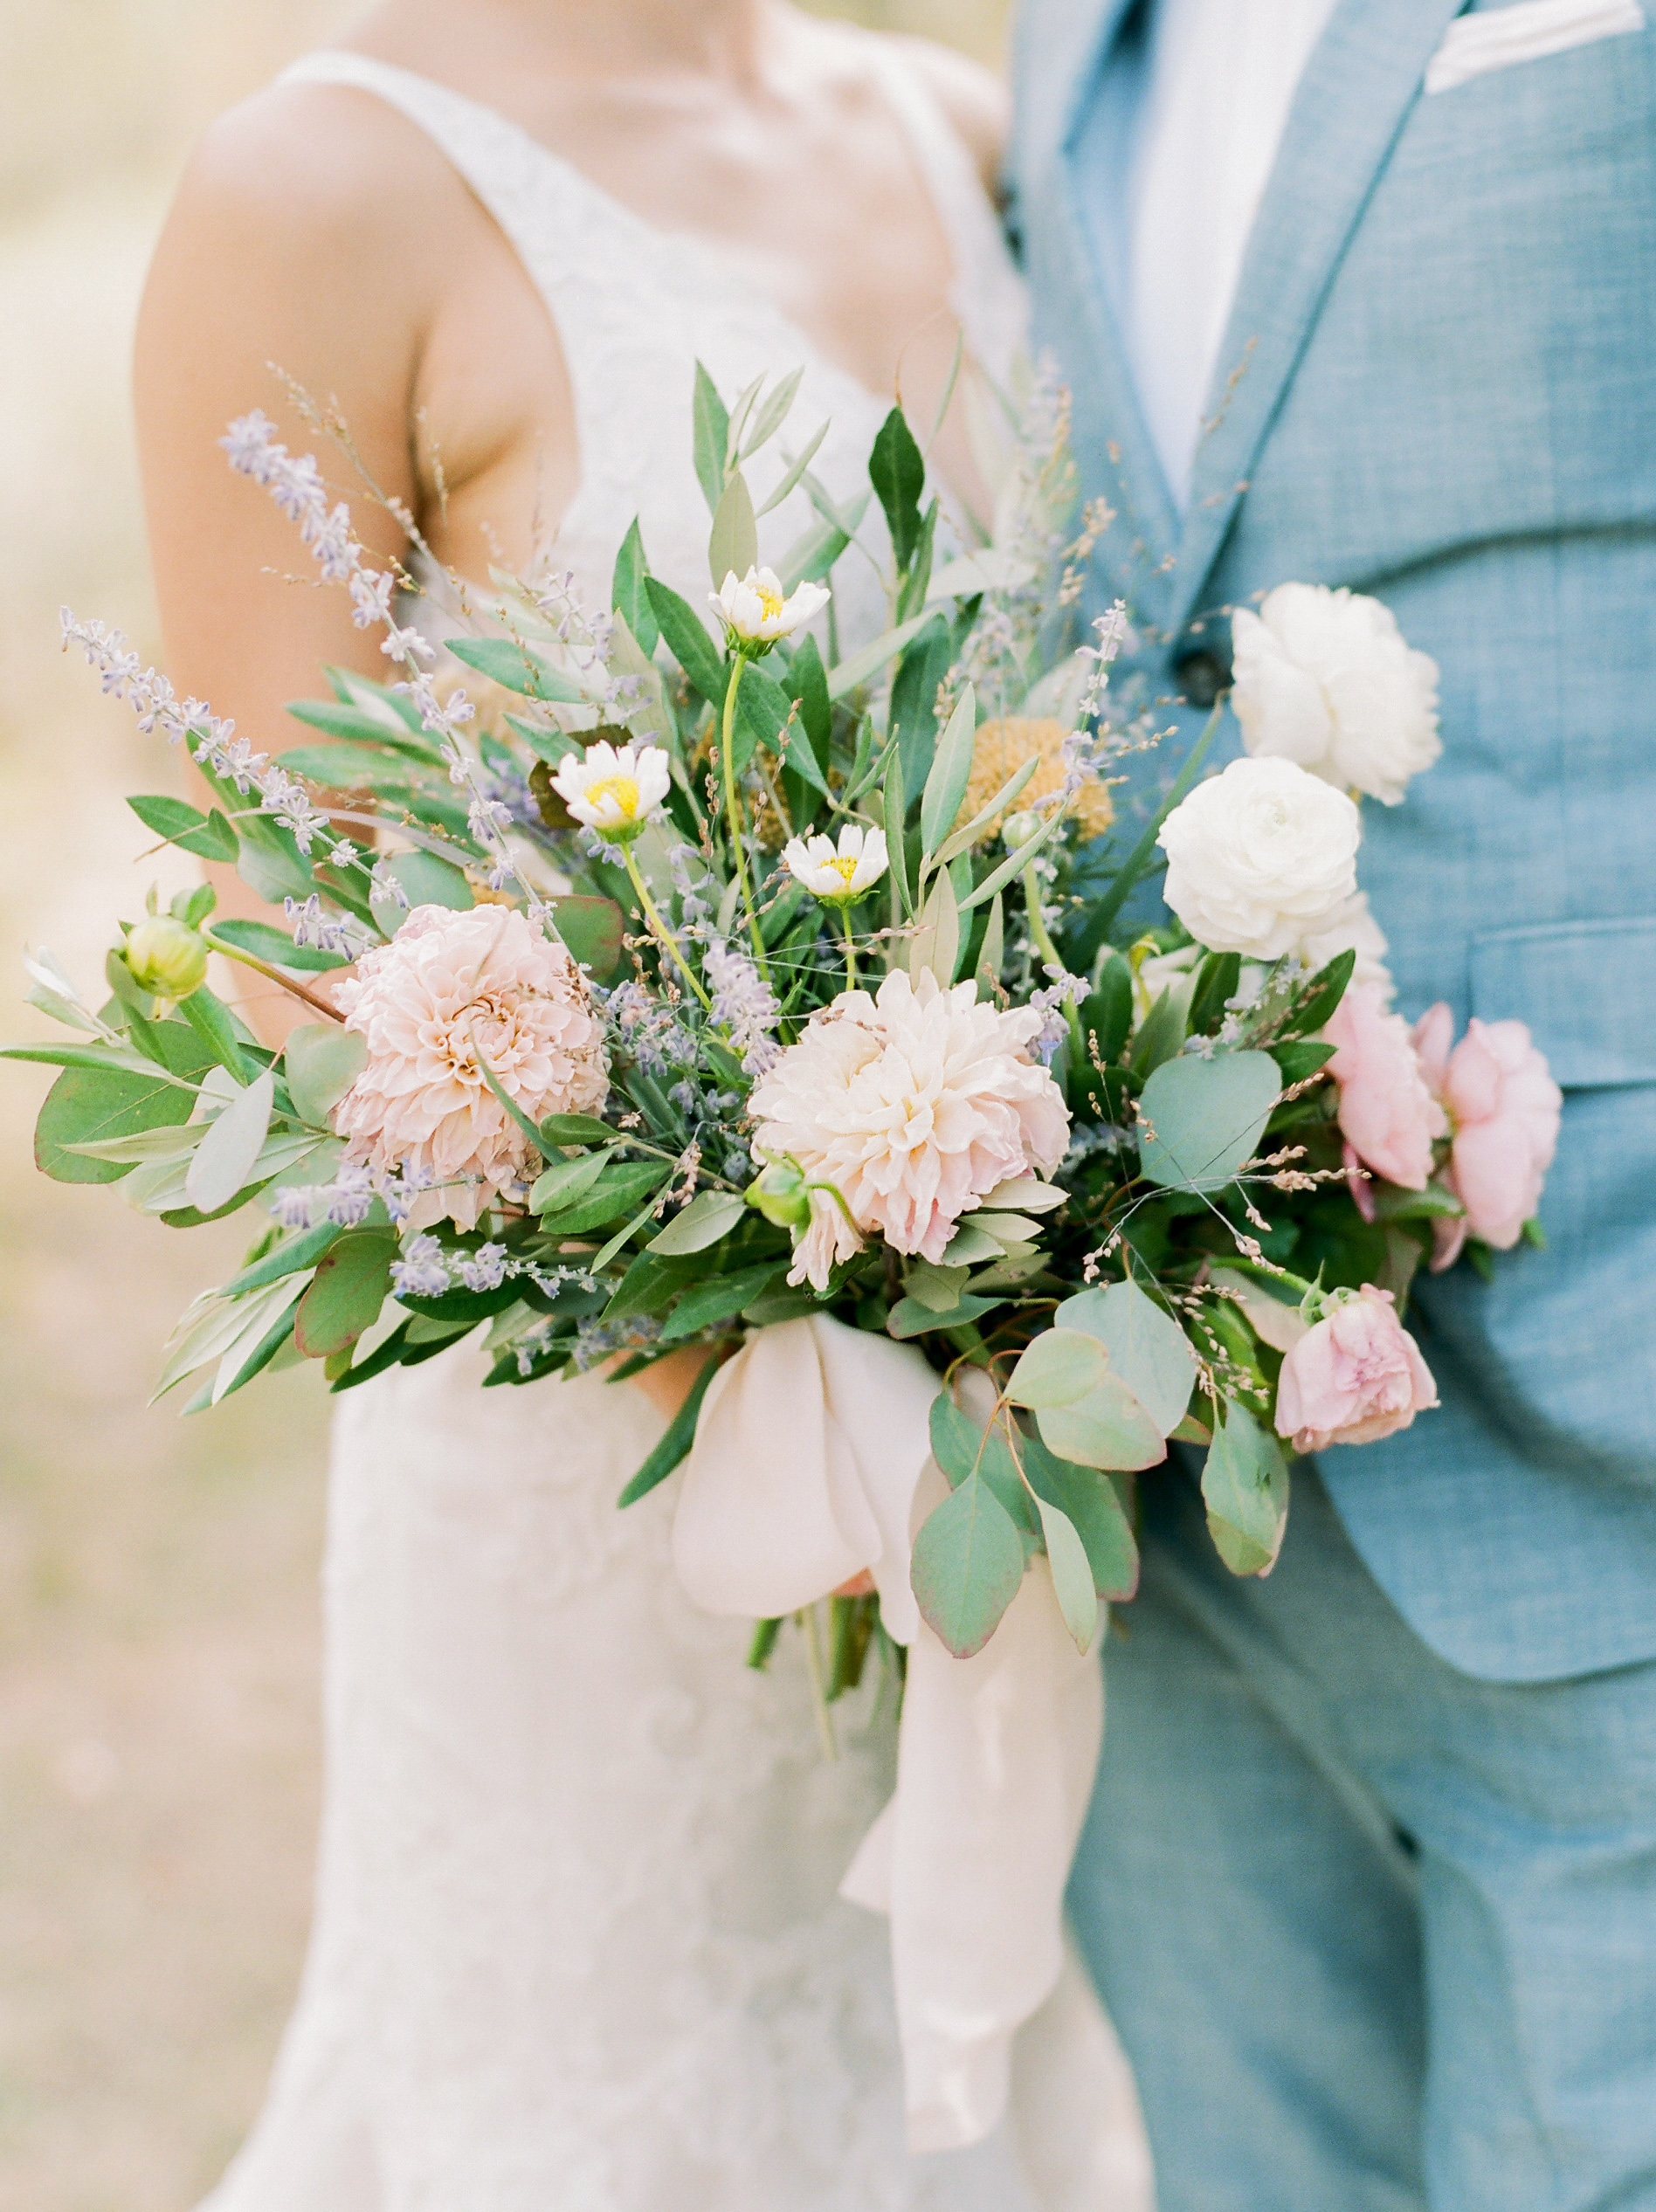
158 1602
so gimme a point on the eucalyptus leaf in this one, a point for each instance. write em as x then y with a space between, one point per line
1108 1428
225 1159
321 1064
1088 1499
967 1566
1071 1574
1201 1119
1244 1486
88 1107
426 880
1060 1367
565 1181
351 1284
1147 1347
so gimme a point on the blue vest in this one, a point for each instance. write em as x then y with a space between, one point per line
1445 330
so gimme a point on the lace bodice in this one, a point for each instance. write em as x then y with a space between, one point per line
577 1943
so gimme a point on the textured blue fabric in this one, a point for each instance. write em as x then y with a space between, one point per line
1438 384
1376 1935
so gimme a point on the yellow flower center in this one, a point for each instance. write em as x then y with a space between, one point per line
843 865
770 601
624 789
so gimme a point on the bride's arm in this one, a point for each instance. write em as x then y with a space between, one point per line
281 253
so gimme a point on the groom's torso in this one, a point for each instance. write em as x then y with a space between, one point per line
1445 341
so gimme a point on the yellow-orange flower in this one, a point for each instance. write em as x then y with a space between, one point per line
1001 749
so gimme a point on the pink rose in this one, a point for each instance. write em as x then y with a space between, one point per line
1387 1113
1503 1108
1357 1375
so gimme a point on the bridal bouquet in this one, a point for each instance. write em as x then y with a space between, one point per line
702 979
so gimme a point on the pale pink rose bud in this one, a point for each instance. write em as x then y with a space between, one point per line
1505 1108
1357 1375
1387 1114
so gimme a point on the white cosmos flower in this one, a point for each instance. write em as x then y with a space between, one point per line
614 789
756 610
1261 858
838 873
1327 679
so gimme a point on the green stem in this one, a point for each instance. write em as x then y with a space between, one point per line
275 975
851 945
733 810
1136 862
660 929
818 1681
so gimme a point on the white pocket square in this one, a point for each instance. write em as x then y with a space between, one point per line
1497 38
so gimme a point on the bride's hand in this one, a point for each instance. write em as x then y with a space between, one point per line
668 1383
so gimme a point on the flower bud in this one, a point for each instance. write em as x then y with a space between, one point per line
166 958
1019 827
778 1192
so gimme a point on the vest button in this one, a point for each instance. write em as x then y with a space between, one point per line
1202 675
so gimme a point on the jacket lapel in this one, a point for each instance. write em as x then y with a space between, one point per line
1358 89
1064 49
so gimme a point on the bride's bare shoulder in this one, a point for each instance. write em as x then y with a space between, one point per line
974 99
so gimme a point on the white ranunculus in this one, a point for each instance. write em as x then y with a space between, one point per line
614 789
838 873
1261 858
757 611
1353 930
1326 678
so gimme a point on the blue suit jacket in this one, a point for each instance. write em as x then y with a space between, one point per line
1447 316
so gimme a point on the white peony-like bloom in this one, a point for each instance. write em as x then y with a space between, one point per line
1326 678
757 611
1353 930
614 789
913 1104
1259 857
451 992
838 873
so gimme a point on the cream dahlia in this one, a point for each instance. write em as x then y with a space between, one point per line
451 993
912 1106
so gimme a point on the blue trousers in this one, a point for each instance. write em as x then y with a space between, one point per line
1376 1936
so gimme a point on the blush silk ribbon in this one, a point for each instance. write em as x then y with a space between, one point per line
812 1462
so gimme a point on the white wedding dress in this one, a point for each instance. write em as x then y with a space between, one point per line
578 1945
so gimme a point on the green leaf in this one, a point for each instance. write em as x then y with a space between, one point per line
991 952
951 771
209 835
896 849
210 1019
687 636
733 548
1138 861
897 470
377 703
1245 1485
621 1187
968 1564
909 1317
1071 1574
1015 863
957 1439
762 708
1090 1501
794 470
320 1064
1298 1058
592 929
675 1446
574 1128
1107 1011
627 595
510 663
346 1294
1108 1428
1061 1368
858 667
1200 1119
710 1214
1164 1028
718 1298
1322 994
291 1257
938 1288
711 424
426 881
808 683
275 946
915 594
566 1180
925 663
225 1159
92 1105
1148 1348
1217 979
936 943
769 418
357 727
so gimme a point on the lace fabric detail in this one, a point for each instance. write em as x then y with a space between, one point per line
578 1944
